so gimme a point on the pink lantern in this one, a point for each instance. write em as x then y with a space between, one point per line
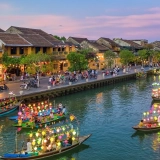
19 113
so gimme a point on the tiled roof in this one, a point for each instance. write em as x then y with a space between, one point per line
98 46
36 40
1 30
133 44
79 40
156 44
47 36
13 39
112 43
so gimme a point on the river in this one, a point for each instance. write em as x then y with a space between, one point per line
108 113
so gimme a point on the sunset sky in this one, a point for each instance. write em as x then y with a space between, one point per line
92 19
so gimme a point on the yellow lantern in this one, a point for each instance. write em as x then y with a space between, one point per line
43 133
73 138
33 143
30 135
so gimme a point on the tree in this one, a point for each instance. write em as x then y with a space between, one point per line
60 38
36 62
126 56
88 53
77 61
109 58
6 60
143 55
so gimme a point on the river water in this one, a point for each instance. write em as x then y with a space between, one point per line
108 113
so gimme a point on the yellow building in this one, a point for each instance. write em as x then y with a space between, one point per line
18 41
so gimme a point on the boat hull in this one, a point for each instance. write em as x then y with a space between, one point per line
51 153
8 111
150 129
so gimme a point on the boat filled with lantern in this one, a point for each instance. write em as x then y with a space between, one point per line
8 105
156 91
38 115
150 120
49 141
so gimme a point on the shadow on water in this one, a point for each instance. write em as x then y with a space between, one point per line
70 155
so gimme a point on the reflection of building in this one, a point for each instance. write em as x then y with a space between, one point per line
17 41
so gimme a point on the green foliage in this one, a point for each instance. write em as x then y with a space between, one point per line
109 58
77 61
126 56
60 38
6 60
143 54
33 62
88 53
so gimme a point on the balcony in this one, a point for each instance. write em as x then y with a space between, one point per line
59 55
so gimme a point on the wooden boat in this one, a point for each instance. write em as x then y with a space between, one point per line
19 156
147 129
9 109
42 124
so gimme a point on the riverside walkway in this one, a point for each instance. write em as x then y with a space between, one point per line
15 85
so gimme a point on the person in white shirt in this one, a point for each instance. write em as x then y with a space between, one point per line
29 146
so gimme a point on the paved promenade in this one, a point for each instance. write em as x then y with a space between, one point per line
15 85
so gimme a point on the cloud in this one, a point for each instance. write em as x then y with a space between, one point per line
133 26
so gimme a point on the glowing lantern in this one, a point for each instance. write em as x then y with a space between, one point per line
33 143
19 113
37 134
147 113
154 111
52 139
60 137
42 147
73 138
35 148
58 130
43 133
45 141
72 117
59 143
155 118
50 104
30 135
144 120
74 132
